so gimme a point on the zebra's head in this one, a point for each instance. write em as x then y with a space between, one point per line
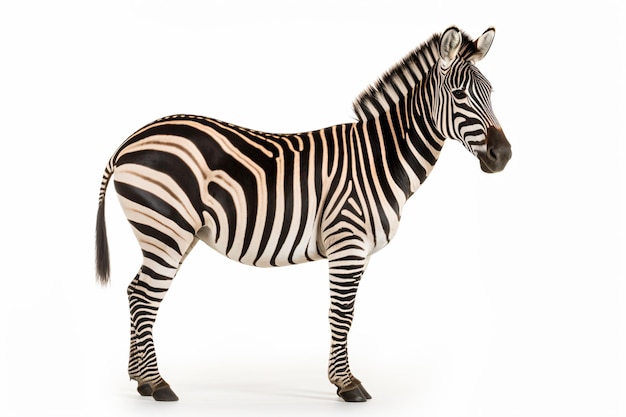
461 104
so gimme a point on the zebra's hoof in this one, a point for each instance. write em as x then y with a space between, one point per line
145 390
364 392
357 394
164 394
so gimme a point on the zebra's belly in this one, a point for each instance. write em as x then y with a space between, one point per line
263 253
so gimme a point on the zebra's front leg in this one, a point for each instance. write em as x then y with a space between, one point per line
345 274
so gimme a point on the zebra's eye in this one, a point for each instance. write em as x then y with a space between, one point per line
459 94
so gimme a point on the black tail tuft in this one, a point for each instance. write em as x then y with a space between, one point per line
102 247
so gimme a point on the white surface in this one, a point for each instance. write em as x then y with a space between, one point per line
502 295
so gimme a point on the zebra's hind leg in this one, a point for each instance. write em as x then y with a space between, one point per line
144 298
345 274
145 294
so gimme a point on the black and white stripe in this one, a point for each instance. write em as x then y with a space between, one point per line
273 200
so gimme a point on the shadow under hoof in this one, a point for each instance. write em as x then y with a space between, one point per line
357 394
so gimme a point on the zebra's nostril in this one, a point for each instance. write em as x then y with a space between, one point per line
498 148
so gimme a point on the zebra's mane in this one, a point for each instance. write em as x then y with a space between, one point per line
403 77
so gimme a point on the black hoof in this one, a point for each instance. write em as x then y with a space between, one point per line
145 390
164 394
357 394
364 392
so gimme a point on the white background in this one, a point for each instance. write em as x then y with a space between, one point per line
502 295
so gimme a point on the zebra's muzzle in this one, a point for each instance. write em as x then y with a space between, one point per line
497 153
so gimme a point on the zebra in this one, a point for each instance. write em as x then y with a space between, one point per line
269 200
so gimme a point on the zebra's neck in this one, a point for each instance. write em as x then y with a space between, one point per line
398 148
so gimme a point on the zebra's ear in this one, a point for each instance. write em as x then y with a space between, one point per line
483 43
450 45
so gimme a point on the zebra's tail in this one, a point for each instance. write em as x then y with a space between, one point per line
102 245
